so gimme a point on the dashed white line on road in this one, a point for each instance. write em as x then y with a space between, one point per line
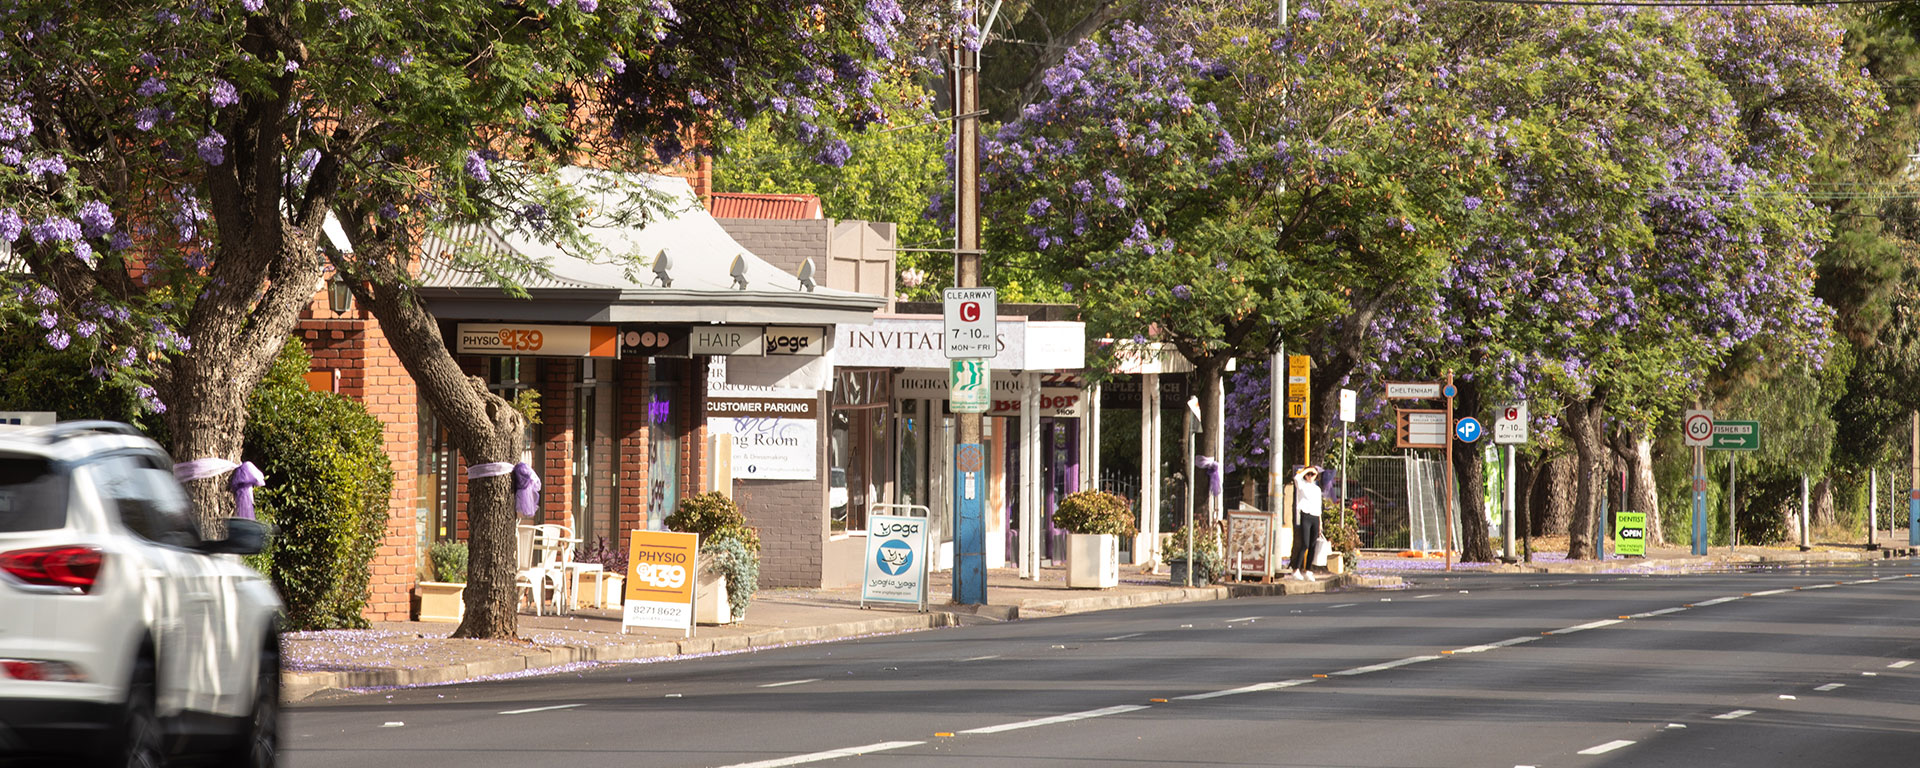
982 658
1123 637
1343 605
1056 719
1734 715
1863 581
1584 627
1661 612
1474 649
1900 665
1243 618
832 754
1602 749
1821 586
1831 687
1789 697
1869 674
1770 592
1256 688
1514 641
541 709
1423 597
1386 665
1716 601
791 682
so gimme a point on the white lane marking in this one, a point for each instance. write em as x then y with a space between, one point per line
791 682
1862 581
1474 649
1831 687
1386 665
1821 586
1514 641
1256 688
393 724
541 709
1343 605
1900 665
1789 697
1671 726
1716 601
1602 749
1661 612
982 658
1423 597
1770 592
1734 715
1584 627
1123 637
1243 618
1869 674
831 754
1056 719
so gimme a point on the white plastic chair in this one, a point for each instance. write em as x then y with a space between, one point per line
560 545
535 569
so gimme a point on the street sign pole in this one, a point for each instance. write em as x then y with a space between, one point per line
1913 487
1699 500
1733 499
1451 511
970 529
1507 538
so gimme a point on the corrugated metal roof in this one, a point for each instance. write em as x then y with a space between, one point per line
749 205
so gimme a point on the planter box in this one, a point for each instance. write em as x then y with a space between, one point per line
1093 561
599 589
1336 563
442 601
1177 573
710 604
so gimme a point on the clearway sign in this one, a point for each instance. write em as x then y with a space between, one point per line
969 331
1510 424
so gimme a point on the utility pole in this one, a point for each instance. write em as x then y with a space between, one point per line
970 529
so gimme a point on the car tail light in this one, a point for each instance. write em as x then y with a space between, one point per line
69 567
45 671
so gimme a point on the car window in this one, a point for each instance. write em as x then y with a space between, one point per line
33 495
146 500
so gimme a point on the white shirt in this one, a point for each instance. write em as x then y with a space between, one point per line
1306 497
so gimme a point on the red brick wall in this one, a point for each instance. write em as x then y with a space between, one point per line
370 373
555 434
630 432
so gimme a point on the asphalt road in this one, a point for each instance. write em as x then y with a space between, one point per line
1802 667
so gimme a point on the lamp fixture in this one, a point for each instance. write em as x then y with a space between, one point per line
339 295
661 264
806 274
739 272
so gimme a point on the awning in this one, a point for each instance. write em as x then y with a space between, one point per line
619 284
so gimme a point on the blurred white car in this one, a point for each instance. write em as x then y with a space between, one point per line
125 638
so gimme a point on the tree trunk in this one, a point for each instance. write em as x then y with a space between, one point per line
482 425
1823 506
1586 430
1553 497
1471 469
1209 372
1525 471
1633 456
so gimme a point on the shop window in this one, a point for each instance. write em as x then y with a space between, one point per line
664 419
859 447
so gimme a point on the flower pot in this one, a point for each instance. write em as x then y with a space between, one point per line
613 590
1093 561
443 601
710 604
1337 564
1177 572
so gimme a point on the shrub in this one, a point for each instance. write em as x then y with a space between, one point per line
1211 563
1345 540
328 483
449 560
713 516
729 557
1095 512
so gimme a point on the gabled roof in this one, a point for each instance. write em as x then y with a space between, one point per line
617 283
752 205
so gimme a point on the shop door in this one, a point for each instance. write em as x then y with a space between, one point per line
1060 475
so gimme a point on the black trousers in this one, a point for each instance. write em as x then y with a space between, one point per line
1306 531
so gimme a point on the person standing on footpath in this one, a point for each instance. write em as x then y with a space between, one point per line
1306 521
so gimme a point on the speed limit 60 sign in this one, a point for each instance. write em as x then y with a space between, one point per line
969 330
1697 428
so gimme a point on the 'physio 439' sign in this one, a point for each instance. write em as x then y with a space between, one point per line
660 580
896 564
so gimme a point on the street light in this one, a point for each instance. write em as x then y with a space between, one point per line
339 296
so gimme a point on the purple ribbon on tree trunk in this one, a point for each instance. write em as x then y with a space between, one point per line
246 477
526 484
1212 468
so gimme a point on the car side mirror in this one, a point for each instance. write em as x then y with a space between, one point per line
244 537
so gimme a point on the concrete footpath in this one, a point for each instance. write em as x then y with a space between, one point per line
328 664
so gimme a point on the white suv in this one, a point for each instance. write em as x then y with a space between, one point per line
125 638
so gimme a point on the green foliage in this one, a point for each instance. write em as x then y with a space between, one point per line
1345 538
328 483
889 178
449 561
1210 564
1095 512
36 378
713 516
731 558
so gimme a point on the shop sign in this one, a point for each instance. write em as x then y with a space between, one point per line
660 580
741 340
536 340
969 386
1630 533
914 342
1123 393
653 341
772 438
896 562
805 341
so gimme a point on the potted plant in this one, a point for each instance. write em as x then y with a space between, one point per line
1095 521
1205 559
443 598
729 571
608 588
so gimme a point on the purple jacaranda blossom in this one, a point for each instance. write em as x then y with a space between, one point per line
10 156
95 218
52 165
48 319
55 229
86 328
1182 292
476 167
150 87
145 118
58 339
589 6
222 94
15 123
253 6
212 148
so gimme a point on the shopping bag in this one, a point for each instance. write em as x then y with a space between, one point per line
1321 548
